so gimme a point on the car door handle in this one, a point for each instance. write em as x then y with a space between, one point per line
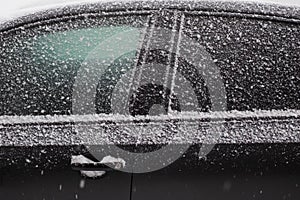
92 169
89 168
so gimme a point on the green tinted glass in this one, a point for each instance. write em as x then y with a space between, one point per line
39 65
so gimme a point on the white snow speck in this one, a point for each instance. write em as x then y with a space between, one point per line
82 183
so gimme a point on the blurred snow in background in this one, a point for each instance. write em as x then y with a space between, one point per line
10 7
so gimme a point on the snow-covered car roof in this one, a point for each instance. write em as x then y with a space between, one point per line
36 10
27 4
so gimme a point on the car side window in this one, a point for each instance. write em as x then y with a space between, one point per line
39 62
258 59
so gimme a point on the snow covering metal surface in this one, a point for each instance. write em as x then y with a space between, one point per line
234 127
101 118
78 160
190 128
47 12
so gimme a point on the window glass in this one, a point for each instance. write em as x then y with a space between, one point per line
259 60
39 62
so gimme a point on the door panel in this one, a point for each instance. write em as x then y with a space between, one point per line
197 184
63 184
257 62
40 63
229 171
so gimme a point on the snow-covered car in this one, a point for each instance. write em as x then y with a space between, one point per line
150 100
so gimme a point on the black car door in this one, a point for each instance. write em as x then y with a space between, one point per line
244 71
175 98
40 63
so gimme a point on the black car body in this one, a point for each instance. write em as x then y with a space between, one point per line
237 134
